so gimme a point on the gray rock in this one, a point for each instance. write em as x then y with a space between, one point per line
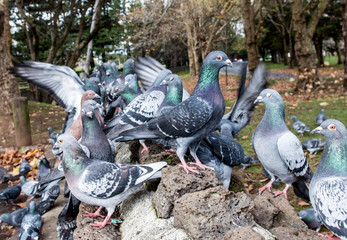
271 211
296 234
176 182
242 233
127 152
141 222
210 213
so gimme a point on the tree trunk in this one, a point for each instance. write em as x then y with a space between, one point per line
318 44
250 35
337 49
8 83
344 34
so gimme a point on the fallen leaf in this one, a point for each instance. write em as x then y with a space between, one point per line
302 203
244 137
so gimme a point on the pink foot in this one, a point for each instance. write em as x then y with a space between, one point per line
145 149
328 236
101 224
94 215
284 192
189 169
268 186
29 199
171 151
200 165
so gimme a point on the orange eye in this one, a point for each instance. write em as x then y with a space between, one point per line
269 95
95 81
117 89
60 140
219 58
332 127
89 94
171 79
91 104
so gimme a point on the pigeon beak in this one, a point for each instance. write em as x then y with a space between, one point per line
97 96
259 99
89 114
317 130
228 62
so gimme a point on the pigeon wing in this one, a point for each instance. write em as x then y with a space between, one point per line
290 150
61 82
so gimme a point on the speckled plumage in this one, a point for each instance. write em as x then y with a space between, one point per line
321 117
31 224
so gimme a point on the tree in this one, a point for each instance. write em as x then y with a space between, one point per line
9 86
344 33
304 30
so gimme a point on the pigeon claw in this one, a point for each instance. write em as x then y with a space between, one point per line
189 169
93 215
145 149
328 236
101 225
268 186
200 165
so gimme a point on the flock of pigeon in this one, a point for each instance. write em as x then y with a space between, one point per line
148 102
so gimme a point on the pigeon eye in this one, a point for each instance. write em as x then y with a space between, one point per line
219 58
90 94
171 79
117 89
94 81
60 140
332 127
269 95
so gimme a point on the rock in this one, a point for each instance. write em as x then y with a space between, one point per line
141 222
85 231
210 213
271 211
296 234
242 233
176 182
127 152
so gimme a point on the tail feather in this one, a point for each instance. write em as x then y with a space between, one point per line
140 132
301 190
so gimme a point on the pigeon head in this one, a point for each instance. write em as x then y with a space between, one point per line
226 128
64 141
294 118
218 59
331 129
161 76
129 67
175 88
4 217
88 108
89 95
269 97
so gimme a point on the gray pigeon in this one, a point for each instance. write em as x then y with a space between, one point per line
321 117
24 167
101 183
278 149
192 120
4 175
44 168
11 193
31 224
299 126
328 188
29 188
48 197
309 217
313 145
14 218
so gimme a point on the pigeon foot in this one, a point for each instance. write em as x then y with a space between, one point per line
145 149
328 236
94 215
101 224
200 165
189 169
171 151
284 192
268 186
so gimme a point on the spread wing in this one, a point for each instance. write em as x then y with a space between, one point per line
184 119
61 82
290 150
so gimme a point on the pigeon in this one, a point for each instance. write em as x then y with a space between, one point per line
14 218
313 145
192 120
242 111
29 188
328 188
48 197
101 183
299 126
278 149
4 175
309 217
24 167
44 168
10 193
93 136
31 224
321 117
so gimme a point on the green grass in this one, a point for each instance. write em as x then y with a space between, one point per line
332 60
271 65
183 74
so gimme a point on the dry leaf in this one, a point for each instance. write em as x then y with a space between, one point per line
302 203
244 137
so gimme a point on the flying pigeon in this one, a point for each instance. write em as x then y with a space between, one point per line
313 145
299 126
193 119
328 188
278 149
31 224
309 217
14 218
242 111
321 117
11 193
48 197
99 182
24 167
44 168
4 175
29 188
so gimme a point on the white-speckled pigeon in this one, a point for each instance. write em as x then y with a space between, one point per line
101 183
29 188
24 167
328 188
299 126
313 145
44 168
320 118
48 197
14 218
193 119
278 149
31 224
